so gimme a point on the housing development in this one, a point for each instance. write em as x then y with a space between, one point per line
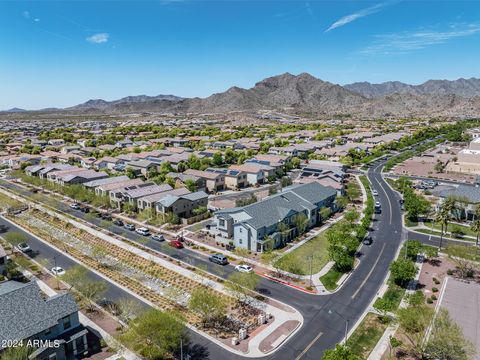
289 218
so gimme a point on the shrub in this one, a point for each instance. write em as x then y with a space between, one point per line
434 289
433 297
450 272
430 301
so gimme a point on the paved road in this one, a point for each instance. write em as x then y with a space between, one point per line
322 328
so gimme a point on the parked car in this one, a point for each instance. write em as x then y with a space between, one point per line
58 271
158 237
75 206
106 217
244 268
374 192
23 247
219 259
176 244
118 222
143 231
129 227
367 240
85 209
110 306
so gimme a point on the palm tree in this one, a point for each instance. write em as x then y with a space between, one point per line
476 228
442 217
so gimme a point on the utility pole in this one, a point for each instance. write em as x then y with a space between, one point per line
311 259
56 275
181 349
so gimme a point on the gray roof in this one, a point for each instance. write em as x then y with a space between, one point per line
472 193
291 201
111 180
170 199
24 312
147 190
197 195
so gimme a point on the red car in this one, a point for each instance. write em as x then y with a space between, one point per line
176 243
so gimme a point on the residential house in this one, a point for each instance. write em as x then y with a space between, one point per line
256 226
182 205
213 181
142 167
256 172
56 142
110 180
107 162
471 195
234 179
28 314
180 178
131 194
148 202
69 149
75 176
104 190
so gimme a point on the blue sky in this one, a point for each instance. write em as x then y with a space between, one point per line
60 53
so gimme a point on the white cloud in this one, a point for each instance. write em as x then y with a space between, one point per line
36 19
408 41
99 38
26 14
360 14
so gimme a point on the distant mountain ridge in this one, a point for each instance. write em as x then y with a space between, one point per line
462 87
305 93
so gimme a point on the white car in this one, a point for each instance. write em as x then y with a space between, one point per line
143 231
158 237
374 192
244 268
58 271
23 247
75 206
377 204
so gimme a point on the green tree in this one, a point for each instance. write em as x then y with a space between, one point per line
130 173
403 270
155 334
341 352
295 162
414 321
383 306
210 308
190 184
17 352
475 227
447 341
15 238
242 285
300 221
217 159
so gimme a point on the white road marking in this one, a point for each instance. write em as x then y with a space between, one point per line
308 346
371 271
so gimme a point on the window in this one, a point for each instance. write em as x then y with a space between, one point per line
66 322
221 222
240 229
48 331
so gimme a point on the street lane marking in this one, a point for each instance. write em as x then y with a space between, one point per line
308 346
370 272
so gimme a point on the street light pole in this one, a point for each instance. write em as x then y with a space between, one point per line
56 275
346 324
311 259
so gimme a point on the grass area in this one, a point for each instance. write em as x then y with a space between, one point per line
466 229
329 280
410 223
393 295
366 336
437 233
298 261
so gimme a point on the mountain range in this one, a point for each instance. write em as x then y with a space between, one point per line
304 93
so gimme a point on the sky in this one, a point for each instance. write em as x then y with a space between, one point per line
62 53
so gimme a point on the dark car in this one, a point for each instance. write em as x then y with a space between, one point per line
85 210
218 259
367 241
106 217
118 222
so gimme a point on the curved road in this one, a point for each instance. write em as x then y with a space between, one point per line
323 327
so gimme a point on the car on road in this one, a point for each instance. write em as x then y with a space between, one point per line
374 192
110 306
158 237
58 271
176 244
377 204
130 227
85 209
244 268
107 217
118 222
367 240
219 259
75 206
23 247
143 231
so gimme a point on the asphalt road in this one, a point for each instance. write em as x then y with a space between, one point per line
324 316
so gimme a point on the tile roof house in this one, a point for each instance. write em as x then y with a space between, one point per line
256 172
234 179
214 181
132 193
105 189
256 226
181 178
182 205
110 180
75 176
25 314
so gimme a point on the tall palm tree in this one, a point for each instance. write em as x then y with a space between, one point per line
476 228
443 216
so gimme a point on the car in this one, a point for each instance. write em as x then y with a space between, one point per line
58 271
129 227
374 192
367 240
143 231
106 217
158 237
85 210
23 247
118 222
244 268
75 206
377 204
219 259
111 306
176 244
